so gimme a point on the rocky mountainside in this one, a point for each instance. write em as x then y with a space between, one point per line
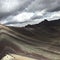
40 41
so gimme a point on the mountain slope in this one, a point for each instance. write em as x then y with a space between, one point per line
40 41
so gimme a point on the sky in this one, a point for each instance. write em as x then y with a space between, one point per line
20 13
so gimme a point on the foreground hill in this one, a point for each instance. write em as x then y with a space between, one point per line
40 41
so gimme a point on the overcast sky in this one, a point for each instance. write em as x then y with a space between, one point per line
23 12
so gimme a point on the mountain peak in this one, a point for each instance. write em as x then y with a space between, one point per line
46 23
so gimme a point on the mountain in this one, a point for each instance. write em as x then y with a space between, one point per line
40 41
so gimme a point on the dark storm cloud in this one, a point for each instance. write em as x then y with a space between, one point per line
8 7
16 12
55 9
27 5
44 4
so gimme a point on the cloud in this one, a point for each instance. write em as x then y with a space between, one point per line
9 7
43 4
24 12
26 18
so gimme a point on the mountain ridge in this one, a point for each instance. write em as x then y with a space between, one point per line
42 39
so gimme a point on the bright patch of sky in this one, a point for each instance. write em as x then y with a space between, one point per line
26 18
